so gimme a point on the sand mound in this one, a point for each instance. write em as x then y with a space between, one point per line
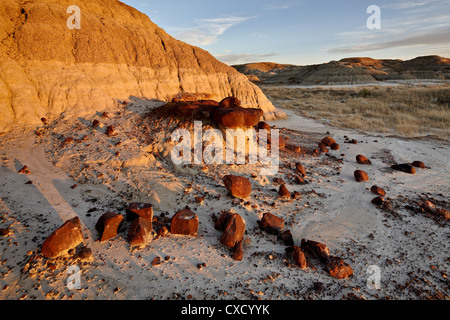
47 69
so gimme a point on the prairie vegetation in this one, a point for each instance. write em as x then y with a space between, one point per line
403 110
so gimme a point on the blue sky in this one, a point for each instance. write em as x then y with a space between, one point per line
304 32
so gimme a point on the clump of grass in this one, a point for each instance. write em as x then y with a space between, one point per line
403 110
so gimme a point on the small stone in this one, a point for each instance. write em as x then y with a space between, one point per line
140 232
328 141
362 159
300 169
378 201
237 186
283 192
334 146
110 130
315 249
4 232
286 237
234 231
238 252
85 253
108 224
156 261
138 209
24 170
418 164
405 167
299 257
361 176
184 222
377 190
95 123
338 268
271 223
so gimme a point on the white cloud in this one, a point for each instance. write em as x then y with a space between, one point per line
208 31
240 58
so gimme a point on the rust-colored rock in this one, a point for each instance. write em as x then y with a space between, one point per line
286 237
338 268
222 221
108 224
238 117
418 164
378 201
237 186
184 222
328 141
299 257
63 239
315 249
271 223
137 209
405 167
283 192
230 102
300 169
362 159
361 176
377 190
234 231
334 146
140 232
238 251
263 125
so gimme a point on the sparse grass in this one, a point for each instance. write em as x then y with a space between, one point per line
403 110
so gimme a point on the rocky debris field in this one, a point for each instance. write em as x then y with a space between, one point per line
101 196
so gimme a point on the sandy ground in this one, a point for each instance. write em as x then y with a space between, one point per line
86 178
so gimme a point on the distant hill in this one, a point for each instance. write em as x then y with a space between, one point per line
354 70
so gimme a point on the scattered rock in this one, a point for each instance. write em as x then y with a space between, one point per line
237 117
378 201
156 261
95 123
418 164
362 159
300 169
263 125
44 120
428 206
271 223
315 249
237 186
238 252
405 167
328 141
184 222
377 190
338 268
108 224
4 232
110 130
299 257
334 146
24 170
222 221
63 239
286 237
140 232
283 192
84 253
138 209
361 176
234 231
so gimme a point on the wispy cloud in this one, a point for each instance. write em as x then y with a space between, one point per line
239 58
424 39
207 31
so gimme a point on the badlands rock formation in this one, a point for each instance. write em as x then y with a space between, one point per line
47 69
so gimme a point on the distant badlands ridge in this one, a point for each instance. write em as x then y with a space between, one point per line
47 69
349 71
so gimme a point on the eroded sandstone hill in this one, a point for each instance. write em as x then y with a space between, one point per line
47 69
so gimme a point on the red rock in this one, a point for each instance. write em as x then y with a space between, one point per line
338 268
230 102
299 257
283 192
237 186
378 201
361 176
328 141
184 222
418 164
156 261
222 221
137 209
428 206
238 252
286 237
315 249
377 190
24 170
271 223
362 159
234 231
237 117
300 180
334 146
110 130
95 123
300 169
445 214
108 224
63 239
405 167
263 125
140 232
